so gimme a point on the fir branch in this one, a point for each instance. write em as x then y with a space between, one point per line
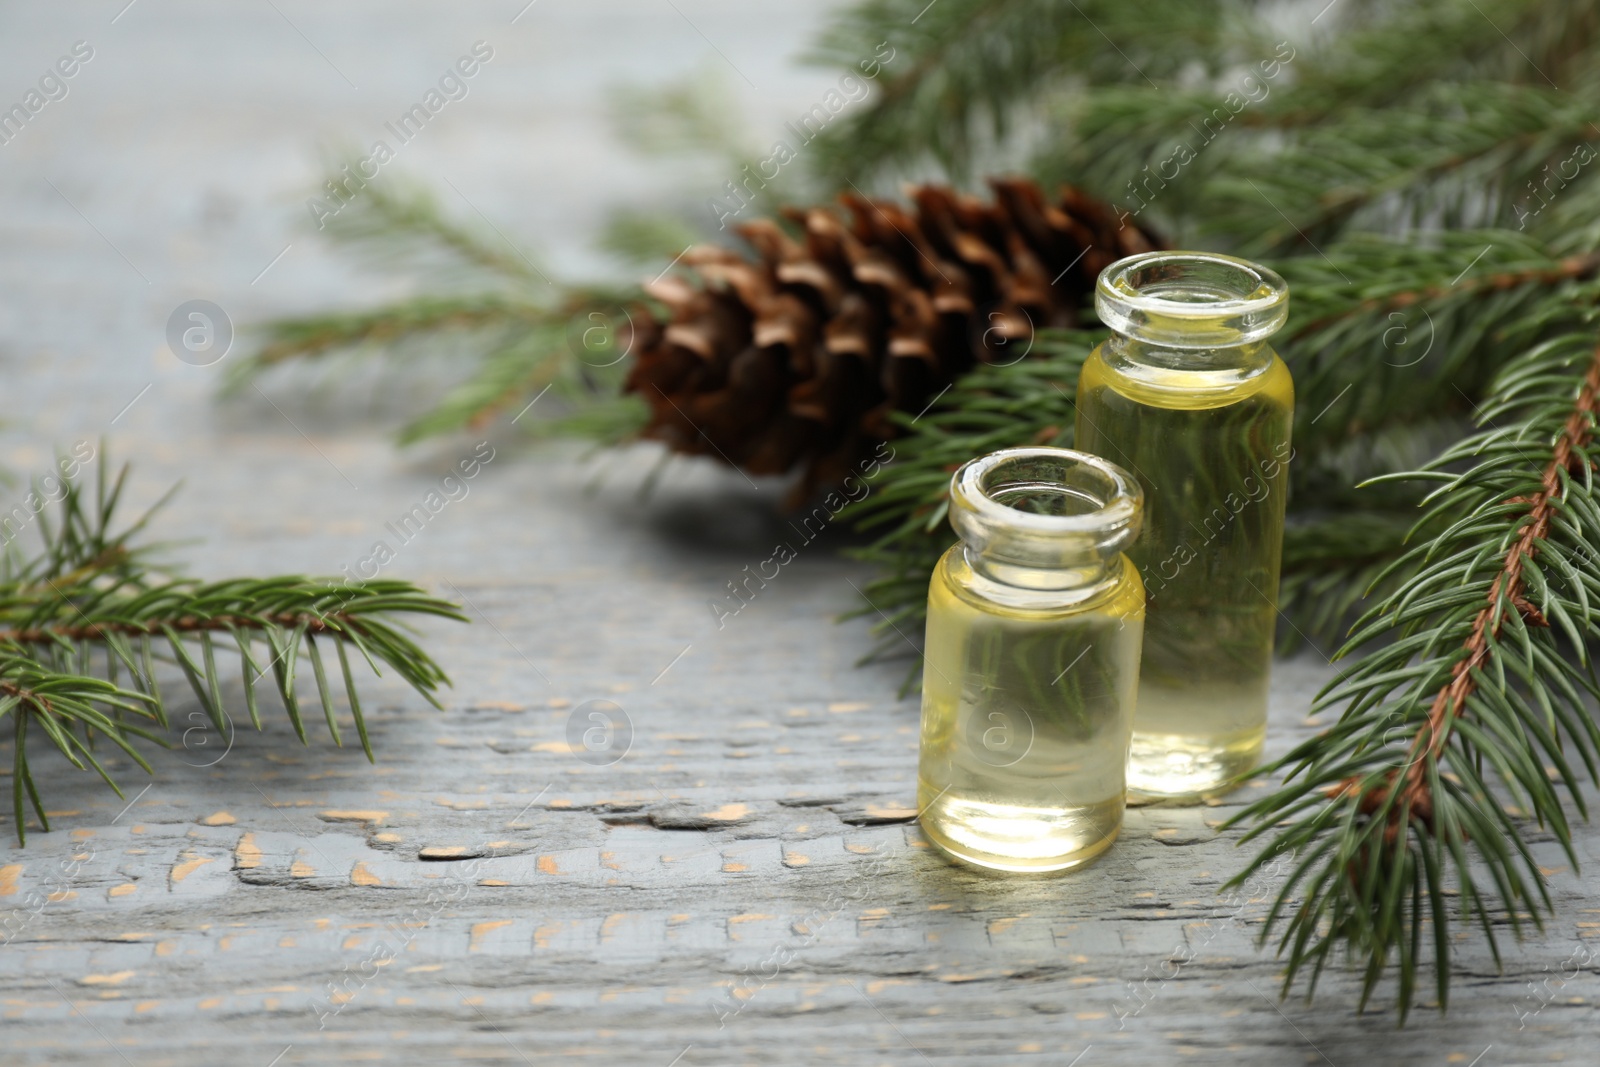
1331 564
1510 590
504 377
301 338
1476 659
1384 332
966 73
62 706
400 223
1539 274
970 74
91 590
1389 51
1289 168
1457 156
528 335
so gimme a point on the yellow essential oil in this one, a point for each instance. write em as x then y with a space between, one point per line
1034 623
1189 397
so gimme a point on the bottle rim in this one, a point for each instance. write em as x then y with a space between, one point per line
1225 301
1118 493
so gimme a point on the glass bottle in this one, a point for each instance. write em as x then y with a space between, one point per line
1032 659
1188 395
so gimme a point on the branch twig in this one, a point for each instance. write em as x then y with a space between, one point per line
312 622
1573 268
1508 589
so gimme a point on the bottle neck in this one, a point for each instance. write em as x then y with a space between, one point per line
1138 358
1041 527
1087 574
1025 587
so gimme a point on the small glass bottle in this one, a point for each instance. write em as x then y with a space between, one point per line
1032 659
1188 395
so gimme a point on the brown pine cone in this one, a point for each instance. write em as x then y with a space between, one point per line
798 358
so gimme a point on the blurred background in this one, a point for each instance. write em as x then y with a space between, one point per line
399 222
179 162
402 225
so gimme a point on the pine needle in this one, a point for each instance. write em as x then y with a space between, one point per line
91 586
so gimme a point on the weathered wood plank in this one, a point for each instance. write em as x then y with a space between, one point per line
745 884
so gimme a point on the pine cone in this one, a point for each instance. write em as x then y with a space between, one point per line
799 358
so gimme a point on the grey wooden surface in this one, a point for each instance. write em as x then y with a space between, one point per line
745 884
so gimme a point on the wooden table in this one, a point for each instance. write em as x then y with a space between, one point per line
745 884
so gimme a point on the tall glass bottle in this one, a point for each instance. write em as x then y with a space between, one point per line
1032 659
1188 395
